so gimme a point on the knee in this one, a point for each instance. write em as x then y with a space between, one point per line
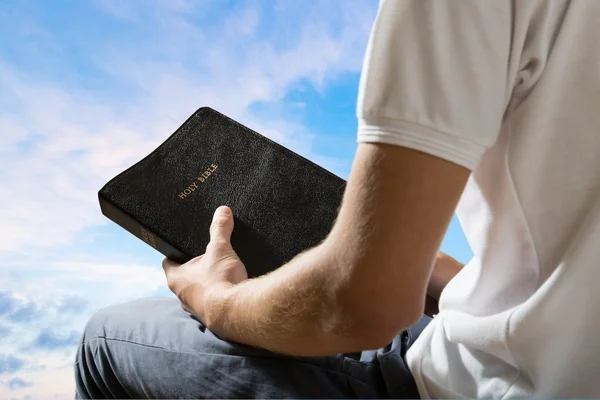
103 322
97 324
124 320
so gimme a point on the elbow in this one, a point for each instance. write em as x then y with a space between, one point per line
375 326
375 336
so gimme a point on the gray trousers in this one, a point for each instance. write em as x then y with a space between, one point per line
151 348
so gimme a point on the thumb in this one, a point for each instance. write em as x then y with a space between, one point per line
221 226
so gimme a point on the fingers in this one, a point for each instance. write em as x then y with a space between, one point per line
221 226
168 264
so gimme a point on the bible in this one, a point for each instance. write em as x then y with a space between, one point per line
282 202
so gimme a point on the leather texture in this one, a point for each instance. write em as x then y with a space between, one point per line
282 202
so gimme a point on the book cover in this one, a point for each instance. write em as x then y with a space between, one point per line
282 202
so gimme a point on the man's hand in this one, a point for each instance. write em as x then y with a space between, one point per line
218 269
444 269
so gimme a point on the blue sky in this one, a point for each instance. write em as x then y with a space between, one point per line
89 87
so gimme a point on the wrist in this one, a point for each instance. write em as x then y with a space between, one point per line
215 305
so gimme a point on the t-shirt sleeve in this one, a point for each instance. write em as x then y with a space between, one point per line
434 77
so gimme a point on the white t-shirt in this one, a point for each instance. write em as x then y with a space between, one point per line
510 90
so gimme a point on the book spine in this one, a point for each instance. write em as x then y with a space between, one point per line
130 224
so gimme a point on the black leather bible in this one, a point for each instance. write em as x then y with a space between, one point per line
282 202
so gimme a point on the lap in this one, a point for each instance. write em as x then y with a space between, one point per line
152 348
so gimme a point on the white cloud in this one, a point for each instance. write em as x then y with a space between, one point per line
50 382
46 305
125 10
62 138
75 141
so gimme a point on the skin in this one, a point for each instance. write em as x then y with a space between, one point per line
360 287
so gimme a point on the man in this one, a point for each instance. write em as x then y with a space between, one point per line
494 103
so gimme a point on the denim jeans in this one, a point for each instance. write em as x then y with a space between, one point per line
151 348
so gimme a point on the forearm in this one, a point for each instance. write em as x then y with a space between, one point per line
297 309
300 309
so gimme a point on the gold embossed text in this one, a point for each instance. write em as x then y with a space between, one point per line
194 185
